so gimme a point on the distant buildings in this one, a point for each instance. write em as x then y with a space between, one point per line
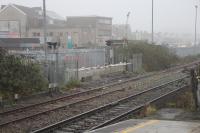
119 32
93 30
18 44
16 20
87 31
80 32
84 31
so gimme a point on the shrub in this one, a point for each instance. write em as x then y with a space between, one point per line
155 57
19 75
73 84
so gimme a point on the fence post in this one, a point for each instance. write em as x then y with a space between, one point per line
1 101
194 85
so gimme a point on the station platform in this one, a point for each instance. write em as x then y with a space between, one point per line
151 126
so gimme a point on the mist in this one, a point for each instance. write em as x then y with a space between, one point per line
174 16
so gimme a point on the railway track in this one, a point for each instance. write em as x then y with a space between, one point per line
44 107
87 89
92 90
28 113
80 106
109 113
105 79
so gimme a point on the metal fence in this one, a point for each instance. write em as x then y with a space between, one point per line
62 65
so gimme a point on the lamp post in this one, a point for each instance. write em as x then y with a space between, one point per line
195 30
152 32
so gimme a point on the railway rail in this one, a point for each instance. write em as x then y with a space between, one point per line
45 118
94 89
45 107
96 93
109 113
86 88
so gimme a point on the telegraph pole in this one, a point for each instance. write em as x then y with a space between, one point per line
126 39
47 65
127 18
152 32
195 31
45 28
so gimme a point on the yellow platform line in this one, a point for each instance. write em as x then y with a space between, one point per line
132 129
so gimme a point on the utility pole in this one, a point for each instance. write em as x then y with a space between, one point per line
127 18
126 38
47 65
195 31
152 32
45 28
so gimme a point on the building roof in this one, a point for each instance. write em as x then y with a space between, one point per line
19 42
30 11
90 16
54 15
4 7
35 12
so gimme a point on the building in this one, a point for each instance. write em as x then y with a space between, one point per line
84 32
94 30
119 31
59 34
17 20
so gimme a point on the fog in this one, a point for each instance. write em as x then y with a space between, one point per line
175 16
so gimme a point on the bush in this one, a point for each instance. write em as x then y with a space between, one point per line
73 84
19 75
155 57
189 58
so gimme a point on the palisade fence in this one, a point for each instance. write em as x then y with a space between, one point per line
61 66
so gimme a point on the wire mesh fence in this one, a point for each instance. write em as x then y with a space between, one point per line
60 66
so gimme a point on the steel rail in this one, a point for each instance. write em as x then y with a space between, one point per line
95 89
76 94
61 124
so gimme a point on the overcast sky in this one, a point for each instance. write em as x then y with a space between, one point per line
170 15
